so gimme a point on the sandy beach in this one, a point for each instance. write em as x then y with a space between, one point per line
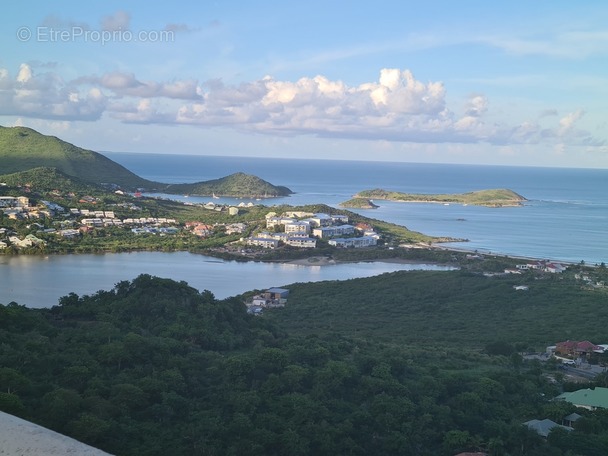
22 438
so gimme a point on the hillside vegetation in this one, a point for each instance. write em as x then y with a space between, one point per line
48 179
235 185
451 308
359 203
493 198
154 367
22 149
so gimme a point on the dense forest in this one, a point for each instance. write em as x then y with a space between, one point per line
451 308
155 367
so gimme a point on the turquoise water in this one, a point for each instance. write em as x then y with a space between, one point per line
566 217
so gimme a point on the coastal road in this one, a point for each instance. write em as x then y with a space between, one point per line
579 372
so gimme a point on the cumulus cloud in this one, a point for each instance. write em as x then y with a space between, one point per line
46 96
477 105
396 107
127 85
144 112
566 124
25 73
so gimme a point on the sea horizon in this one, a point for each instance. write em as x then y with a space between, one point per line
248 156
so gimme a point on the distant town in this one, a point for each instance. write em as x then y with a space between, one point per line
295 229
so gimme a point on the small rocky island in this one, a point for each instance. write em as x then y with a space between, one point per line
489 198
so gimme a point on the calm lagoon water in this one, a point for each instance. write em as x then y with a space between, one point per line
39 281
565 218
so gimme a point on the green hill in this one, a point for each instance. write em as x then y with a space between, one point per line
237 184
48 179
22 149
492 198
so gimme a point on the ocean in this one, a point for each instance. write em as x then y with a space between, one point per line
564 219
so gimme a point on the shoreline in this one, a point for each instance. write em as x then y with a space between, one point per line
318 260
324 261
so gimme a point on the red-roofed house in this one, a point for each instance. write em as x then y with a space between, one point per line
202 230
577 349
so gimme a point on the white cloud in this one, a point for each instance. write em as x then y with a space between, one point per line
127 85
25 73
396 108
46 96
566 124
477 105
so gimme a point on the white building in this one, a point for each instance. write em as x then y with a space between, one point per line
304 242
297 227
263 242
325 232
271 222
364 241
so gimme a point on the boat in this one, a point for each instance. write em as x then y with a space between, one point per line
214 196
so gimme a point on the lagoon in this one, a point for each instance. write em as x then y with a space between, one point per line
39 281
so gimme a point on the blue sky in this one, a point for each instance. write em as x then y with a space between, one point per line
513 83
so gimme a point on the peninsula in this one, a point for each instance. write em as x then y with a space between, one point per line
359 203
488 198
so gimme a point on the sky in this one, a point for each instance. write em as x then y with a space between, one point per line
508 83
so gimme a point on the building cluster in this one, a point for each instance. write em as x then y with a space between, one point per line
587 398
589 281
18 208
203 230
107 219
28 241
273 297
571 350
302 229
232 210
541 266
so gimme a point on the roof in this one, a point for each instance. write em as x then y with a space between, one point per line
586 345
544 427
573 417
597 397
277 290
